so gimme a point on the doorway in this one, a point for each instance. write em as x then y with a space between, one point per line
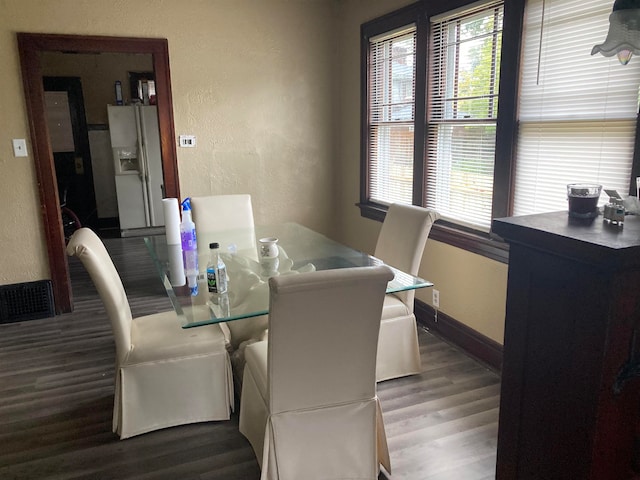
31 47
64 101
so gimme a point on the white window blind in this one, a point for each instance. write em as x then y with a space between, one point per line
464 77
577 112
391 116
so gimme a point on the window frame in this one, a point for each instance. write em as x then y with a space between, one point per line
438 121
400 18
485 244
378 126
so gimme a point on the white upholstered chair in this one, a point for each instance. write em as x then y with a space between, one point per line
308 404
401 244
218 213
164 375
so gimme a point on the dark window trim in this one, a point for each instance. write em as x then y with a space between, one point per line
506 130
487 245
507 124
399 18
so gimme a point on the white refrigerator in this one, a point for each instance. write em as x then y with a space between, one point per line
135 142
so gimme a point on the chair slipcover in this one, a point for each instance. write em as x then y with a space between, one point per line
217 213
165 375
401 244
308 405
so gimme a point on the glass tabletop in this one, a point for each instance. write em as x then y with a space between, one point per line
300 250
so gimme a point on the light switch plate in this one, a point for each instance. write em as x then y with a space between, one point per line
19 147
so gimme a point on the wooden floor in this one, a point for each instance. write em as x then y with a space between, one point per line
56 399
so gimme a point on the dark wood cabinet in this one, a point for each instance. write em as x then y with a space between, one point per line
573 309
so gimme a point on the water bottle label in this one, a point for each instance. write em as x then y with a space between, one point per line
211 280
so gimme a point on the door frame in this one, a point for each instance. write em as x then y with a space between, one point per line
30 47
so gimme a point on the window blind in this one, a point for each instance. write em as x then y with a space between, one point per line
391 116
577 112
464 80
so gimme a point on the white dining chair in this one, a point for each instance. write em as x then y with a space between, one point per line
308 404
219 213
223 213
164 375
401 244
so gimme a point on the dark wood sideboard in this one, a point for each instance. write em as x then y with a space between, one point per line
572 314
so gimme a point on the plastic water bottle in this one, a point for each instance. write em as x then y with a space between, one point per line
216 271
189 247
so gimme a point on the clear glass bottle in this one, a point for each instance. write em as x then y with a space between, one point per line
216 271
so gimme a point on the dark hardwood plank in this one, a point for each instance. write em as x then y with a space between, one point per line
56 399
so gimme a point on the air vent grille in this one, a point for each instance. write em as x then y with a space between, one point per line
26 301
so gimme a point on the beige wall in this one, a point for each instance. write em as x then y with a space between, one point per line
271 90
472 288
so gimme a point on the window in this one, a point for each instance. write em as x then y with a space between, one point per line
461 133
508 108
392 114
578 112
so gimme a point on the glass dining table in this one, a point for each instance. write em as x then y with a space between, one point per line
300 249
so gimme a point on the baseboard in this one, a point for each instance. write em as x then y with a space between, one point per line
475 344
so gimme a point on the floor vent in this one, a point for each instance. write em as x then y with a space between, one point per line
26 301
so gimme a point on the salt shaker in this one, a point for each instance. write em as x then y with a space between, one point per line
614 212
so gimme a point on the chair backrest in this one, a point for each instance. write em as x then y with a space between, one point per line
86 245
323 336
402 239
218 213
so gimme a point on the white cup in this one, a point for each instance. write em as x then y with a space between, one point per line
268 247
